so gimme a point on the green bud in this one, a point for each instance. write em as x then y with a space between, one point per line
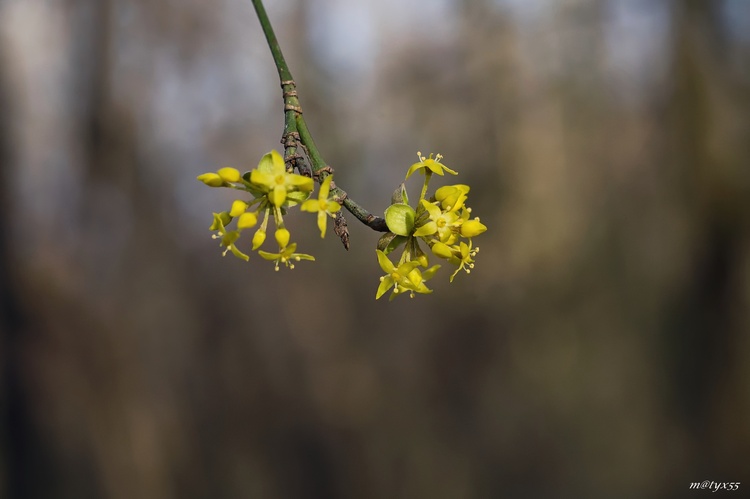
399 218
400 195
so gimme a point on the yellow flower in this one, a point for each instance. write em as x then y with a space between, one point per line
439 222
405 277
324 206
271 176
228 238
431 165
452 197
464 258
286 256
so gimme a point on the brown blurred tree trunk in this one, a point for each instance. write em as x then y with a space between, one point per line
700 333
22 454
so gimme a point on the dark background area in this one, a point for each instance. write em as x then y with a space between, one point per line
598 349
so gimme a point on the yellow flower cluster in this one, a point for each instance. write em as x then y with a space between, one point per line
443 222
273 190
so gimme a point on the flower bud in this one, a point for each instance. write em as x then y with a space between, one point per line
247 220
442 250
229 174
238 208
282 237
259 238
472 228
211 179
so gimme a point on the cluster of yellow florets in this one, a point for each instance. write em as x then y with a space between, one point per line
442 222
273 190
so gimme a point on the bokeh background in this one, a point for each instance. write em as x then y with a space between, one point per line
599 349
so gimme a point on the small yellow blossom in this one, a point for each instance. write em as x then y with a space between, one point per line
431 165
271 176
405 277
228 238
324 206
286 256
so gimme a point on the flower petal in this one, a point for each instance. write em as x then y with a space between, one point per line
236 252
385 285
322 217
441 250
311 205
262 179
268 256
278 196
427 229
299 181
325 187
414 167
385 262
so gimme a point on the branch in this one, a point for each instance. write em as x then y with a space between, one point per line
296 133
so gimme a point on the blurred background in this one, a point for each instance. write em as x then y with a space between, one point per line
598 349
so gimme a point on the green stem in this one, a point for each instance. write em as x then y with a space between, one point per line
427 176
294 123
273 43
